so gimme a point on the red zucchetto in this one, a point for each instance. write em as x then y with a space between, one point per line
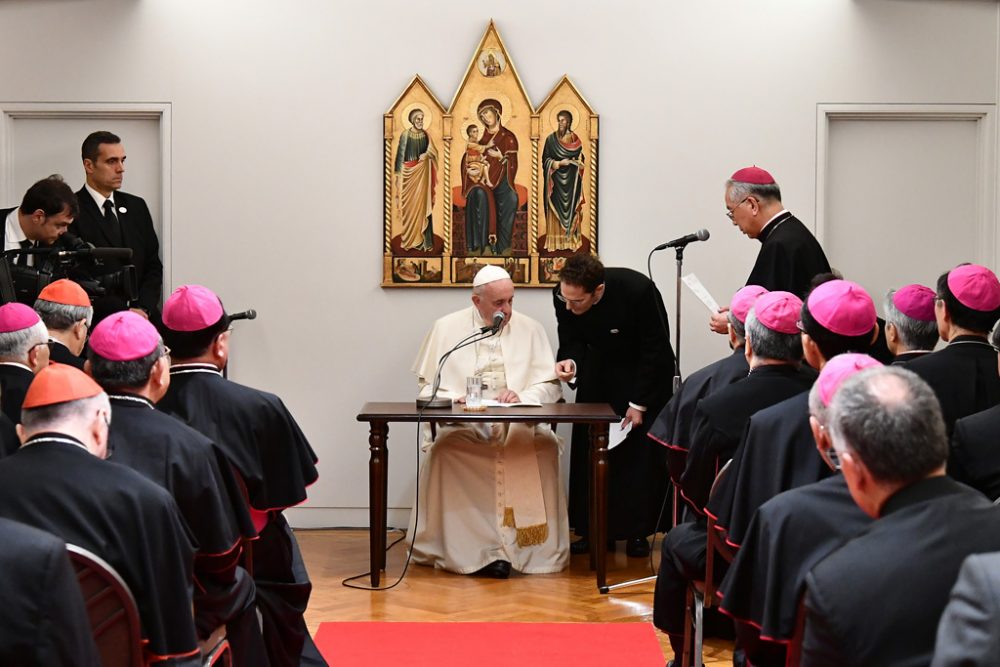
59 383
754 175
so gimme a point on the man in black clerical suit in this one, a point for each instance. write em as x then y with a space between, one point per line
263 443
672 427
774 351
24 350
43 622
975 454
778 451
111 218
58 482
789 256
911 329
614 346
66 312
789 534
128 359
964 374
877 599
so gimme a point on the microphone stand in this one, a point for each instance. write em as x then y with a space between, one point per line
433 402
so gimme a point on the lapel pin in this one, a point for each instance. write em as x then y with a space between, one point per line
122 209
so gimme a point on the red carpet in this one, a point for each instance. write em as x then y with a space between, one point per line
489 644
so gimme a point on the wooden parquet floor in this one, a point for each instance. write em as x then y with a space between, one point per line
426 594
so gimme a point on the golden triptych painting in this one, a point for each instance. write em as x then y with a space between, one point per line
491 179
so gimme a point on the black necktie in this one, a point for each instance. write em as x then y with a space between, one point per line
112 226
22 259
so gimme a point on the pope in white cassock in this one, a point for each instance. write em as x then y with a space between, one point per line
490 496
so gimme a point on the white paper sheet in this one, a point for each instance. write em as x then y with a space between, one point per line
617 434
699 290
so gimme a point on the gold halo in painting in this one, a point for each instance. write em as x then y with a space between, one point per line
504 101
428 116
554 116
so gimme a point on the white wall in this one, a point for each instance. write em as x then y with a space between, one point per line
277 153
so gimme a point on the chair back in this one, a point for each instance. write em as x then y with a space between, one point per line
111 609
793 657
716 543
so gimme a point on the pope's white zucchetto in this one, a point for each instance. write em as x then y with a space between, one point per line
489 274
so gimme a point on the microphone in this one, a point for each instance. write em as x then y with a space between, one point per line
700 235
96 253
433 401
248 314
498 319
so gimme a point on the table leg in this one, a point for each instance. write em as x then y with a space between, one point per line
599 502
378 482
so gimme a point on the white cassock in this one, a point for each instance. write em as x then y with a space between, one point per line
491 492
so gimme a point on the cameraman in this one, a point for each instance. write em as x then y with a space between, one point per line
46 211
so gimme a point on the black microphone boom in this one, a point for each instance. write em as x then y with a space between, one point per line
498 319
700 235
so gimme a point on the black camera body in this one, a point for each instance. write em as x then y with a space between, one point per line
72 258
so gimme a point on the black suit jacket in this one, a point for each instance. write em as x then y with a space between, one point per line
14 381
975 455
61 354
137 233
877 599
963 375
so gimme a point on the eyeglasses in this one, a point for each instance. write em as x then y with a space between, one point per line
833 457
572 302
47 344
730 211
166 352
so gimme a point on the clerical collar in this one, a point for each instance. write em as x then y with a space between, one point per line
60 438
773 224
919 492
183 369
132 398
970 340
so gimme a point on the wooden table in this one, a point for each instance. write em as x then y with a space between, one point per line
597 415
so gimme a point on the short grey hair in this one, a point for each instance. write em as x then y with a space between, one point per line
739 190
16 344
739 328
52 417
816 407
891 419
60 316
123 374
914 334
769 344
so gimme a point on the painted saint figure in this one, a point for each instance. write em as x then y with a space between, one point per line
416 178
562 162
491 203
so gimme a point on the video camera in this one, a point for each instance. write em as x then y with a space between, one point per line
70 257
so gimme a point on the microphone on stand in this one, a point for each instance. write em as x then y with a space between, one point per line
498 319
433 401
700 235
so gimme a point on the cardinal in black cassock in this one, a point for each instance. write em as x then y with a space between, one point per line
66 311
43 622
268 450
59 482
128 359
613 326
